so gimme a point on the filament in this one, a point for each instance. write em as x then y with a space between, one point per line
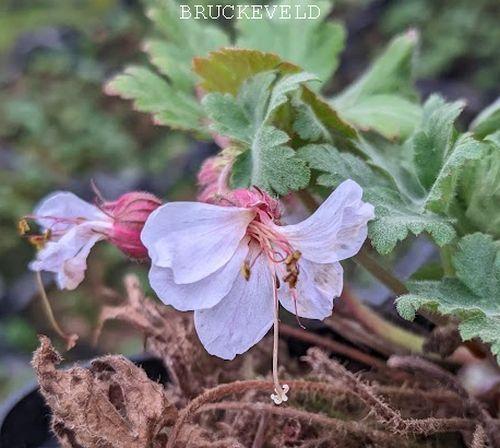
69 339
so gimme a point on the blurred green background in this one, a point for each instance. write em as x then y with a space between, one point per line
58 130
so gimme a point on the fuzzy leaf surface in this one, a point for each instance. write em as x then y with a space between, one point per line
313 45
395 215
473 296
152 93
179 42
386 87
247 118
226 70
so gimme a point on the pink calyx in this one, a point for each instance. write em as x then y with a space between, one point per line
129 214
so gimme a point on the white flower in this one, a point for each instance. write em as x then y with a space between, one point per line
72 228
231 264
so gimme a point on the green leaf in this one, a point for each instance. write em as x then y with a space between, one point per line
488 121
313 45
442 191
480 191
476 264
246 118
181 41
439 156
382 98
324 113
391 72
395 216
307 124
473 297
396 220
226 70
389 114
155 95
433 139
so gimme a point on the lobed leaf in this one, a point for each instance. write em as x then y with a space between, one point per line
181 41
226 70
313 45
395 216
382 99
265 161
488 121
151 93
442 192
434 138
473 297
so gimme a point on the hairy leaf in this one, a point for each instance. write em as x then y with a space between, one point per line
395 215
226 70
473 297
488 121
246 118
434 138
381 99
479 190
155 95
389 114
442 191
314 45
171 101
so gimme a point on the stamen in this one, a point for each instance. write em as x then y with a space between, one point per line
294 297
39 240
280 391
23 227
245 270
97 192
69 339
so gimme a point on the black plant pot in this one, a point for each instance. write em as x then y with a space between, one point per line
25 418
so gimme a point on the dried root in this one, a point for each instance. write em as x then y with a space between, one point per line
405 403
170 336
112 404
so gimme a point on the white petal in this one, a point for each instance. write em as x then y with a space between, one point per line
194 239
66 205
242 318
204 293
67 257
317 286
336 230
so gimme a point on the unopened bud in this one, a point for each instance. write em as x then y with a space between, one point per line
129 213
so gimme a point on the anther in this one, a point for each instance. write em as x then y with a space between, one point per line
245 270
23 227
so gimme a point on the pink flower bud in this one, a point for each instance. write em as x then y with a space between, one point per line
129 213
213 177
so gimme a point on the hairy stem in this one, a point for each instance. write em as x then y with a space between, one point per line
308 417
390 418
390 332
446 253
379 272
333 346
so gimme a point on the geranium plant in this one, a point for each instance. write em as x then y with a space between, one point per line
303 180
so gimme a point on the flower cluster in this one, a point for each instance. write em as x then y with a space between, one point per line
231 258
